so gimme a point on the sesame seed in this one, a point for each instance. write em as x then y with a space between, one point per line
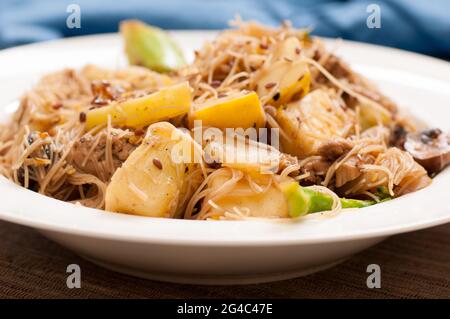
57 106
270 85
82 117
157 163
216 83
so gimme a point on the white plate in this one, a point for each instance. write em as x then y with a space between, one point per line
234 252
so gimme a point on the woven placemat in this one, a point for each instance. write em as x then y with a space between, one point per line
414 265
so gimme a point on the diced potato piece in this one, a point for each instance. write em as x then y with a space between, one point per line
166 103
315 119
236 110
150 182
288 73
271 203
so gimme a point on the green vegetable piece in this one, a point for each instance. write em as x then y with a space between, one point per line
355 203
382 192
298 200
319 201
150 47
302 201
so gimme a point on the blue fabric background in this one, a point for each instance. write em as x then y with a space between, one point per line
417 25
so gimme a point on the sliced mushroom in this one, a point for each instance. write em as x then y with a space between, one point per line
397 136
430 148
334 148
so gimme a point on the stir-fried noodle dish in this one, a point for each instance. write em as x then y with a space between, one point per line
264 123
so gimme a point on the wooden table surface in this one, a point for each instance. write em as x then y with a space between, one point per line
414 265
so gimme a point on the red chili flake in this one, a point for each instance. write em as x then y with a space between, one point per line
99 87
270 85
57 105
104 92
82 117
139 132
263 46
297 50
157 163
220 95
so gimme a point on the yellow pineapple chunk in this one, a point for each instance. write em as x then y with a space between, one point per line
287 78
236 110
166 103
315 119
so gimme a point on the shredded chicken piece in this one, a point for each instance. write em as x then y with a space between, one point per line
88 154
341 70
348 171
316 170
335 148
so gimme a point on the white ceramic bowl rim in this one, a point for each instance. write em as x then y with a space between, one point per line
419 210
